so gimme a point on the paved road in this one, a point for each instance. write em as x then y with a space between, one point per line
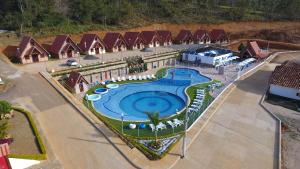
75 142
241 134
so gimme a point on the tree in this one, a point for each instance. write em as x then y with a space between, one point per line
154 119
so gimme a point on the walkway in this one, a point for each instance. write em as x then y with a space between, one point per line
241 134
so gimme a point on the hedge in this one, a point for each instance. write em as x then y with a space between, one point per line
42 148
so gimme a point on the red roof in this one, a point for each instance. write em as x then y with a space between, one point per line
184 36
113 39
59 41
74 78
87 41
132 38
255 51
218 35
23 44
149 37
200 34
164 35
287 75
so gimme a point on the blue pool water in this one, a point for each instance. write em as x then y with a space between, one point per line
165 96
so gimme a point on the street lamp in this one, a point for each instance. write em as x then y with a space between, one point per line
122 118
184 136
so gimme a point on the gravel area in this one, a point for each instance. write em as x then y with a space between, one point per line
24 139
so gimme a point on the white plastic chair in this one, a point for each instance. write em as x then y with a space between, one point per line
119 79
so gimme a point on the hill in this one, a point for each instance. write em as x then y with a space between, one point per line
44 17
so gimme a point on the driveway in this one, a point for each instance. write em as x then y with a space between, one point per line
241 134
74 141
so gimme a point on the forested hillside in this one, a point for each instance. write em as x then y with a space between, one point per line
72 16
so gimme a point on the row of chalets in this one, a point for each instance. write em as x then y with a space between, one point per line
29 50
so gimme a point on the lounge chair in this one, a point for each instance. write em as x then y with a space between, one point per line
103 83
149 77
119 79
144 77
177 122
134 77
123 78
171 124
193 109
129 78
195 106
140 78
153 76
161 126
113 79
152 127
198 100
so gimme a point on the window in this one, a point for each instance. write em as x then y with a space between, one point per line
298 94
27 57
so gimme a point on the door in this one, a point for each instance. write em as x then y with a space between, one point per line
81 88
69 53
35 57
97 50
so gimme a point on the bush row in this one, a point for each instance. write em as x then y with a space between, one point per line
39 140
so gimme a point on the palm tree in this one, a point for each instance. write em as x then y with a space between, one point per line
154 119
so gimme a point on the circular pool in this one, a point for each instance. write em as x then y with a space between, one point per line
165 103
93 97
112 86
101 91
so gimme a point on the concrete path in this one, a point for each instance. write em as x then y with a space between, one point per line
241 134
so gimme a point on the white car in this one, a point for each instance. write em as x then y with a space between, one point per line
72 62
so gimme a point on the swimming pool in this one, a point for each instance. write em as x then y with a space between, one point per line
165 96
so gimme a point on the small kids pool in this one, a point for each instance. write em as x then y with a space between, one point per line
165 96
93 97
112 86
101 91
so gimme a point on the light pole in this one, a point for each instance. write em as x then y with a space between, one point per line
184 136
122 118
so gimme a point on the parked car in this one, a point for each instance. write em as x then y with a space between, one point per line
72 62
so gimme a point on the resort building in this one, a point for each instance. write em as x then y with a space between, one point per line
165 37
29 51
114 42
76 83
285 80
254 51
201 37
151 38
134 40
64 47
184 37
218 36
91 44
208 56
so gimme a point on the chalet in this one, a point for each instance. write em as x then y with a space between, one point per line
91 44
165 37
76 83
151 38
64 47
219 36
201 37
285 80
29 51
253 50
114 42
134 40
184 37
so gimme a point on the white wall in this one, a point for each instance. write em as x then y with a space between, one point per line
284 91
205 59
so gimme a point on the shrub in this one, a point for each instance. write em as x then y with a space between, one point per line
5 107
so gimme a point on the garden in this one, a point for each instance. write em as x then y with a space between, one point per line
18 129
155 143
